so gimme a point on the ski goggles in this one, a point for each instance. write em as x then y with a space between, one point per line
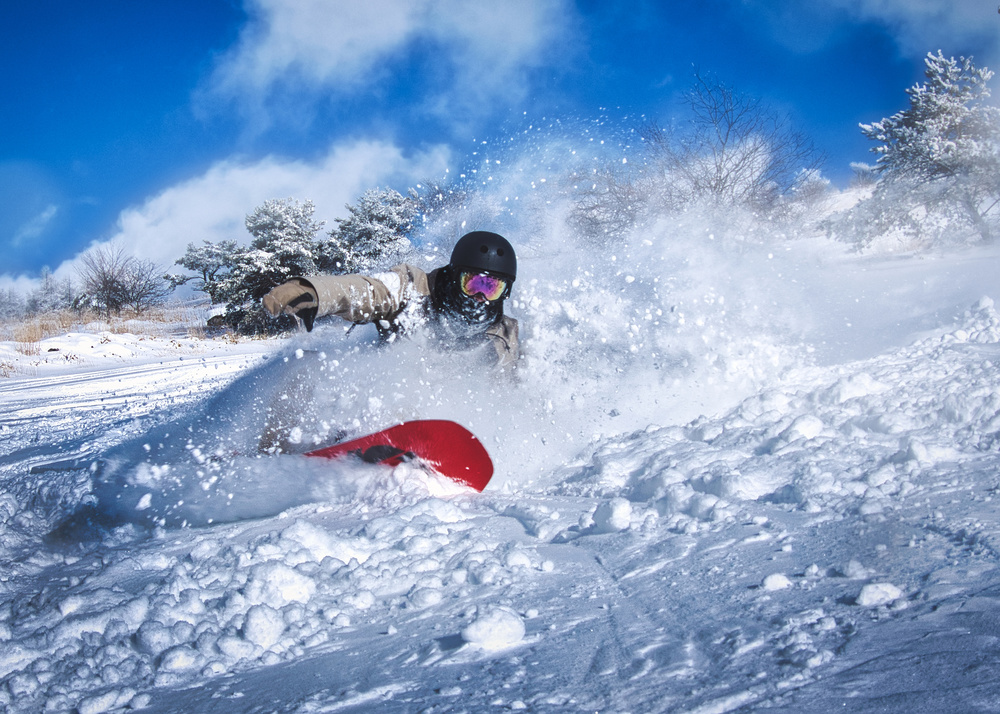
489 286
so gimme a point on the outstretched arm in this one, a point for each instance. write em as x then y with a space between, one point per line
355 298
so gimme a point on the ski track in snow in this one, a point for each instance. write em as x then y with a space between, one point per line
828 542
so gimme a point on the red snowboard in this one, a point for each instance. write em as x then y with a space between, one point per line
443 446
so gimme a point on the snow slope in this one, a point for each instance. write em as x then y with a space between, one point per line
727 481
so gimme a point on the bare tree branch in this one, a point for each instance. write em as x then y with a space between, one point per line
114 281
735 149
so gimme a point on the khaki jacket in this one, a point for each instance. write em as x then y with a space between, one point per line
397 300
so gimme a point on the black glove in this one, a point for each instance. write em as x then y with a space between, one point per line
293 298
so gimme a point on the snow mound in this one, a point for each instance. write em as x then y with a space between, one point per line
494 628
878 594
776 581
856 441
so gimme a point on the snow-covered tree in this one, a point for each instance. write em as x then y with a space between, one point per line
377 231
52 295
209 261
11 305
864 175
283 223
729 151
942 154
284 246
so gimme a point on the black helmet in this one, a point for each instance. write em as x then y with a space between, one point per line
483 251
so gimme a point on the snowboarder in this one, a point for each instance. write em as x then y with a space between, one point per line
462 301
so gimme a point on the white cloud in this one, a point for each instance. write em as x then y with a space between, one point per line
29 202
35 226
922 26
494 44
917 26
20 284
326 46
213 206
316 40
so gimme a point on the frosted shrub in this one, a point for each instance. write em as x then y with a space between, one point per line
114 281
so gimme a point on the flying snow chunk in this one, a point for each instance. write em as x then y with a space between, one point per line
876 594
494 629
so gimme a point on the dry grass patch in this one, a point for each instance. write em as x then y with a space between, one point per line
28 334
164 321
36 329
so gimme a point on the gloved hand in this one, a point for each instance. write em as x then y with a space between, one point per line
295 298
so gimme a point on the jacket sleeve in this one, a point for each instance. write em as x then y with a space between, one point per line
505 340
366 298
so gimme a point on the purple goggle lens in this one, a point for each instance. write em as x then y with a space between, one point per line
489 286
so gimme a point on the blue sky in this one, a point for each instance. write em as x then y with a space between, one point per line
156 124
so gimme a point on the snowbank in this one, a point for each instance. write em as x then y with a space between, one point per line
714 519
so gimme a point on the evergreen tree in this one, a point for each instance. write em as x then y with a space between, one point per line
210 262
943 152
11 305
376 232
284 245
51 296
283 223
